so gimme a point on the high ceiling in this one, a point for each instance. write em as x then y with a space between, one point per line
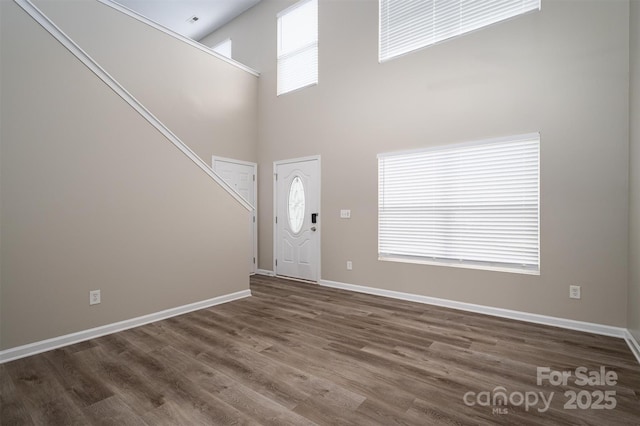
177 14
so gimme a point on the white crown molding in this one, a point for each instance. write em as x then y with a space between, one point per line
70 339
94 67
135 15
588 327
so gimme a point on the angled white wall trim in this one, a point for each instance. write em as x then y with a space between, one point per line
265 272
94 67
199 46
69 339
588 327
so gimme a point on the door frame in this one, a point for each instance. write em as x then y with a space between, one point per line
254 205
318 259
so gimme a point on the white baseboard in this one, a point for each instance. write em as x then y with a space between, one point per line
633 343
588 327
265 272
69 339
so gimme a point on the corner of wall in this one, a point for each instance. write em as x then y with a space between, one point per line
633 297
2 126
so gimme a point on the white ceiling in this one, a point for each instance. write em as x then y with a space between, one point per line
175 14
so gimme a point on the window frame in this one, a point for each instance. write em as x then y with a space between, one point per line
436 40
452 262
301 50
228 41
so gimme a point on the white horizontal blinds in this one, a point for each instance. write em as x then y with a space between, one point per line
298 46
475 203
407 25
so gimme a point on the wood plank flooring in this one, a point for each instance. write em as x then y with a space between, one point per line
300 354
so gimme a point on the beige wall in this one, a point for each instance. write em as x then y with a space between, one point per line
93 197
207 102
562 71
634 193
1 72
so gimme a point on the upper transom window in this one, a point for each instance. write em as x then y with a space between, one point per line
408 25
298 46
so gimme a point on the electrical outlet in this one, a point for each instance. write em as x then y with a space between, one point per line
345 214
574 291
349 265
94 297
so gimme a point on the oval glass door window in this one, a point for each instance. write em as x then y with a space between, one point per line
296 205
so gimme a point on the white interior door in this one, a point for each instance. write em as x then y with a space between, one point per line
241 176
297 227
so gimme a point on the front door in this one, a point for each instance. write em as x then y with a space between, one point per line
297 227
241 176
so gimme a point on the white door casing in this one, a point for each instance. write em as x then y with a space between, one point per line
241 176
297 205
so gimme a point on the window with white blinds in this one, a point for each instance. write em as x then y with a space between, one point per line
471 205
298 46
223 48
407 25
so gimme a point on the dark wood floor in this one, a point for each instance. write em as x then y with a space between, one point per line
297 354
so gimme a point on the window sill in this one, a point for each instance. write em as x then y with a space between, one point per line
297 89
457 264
